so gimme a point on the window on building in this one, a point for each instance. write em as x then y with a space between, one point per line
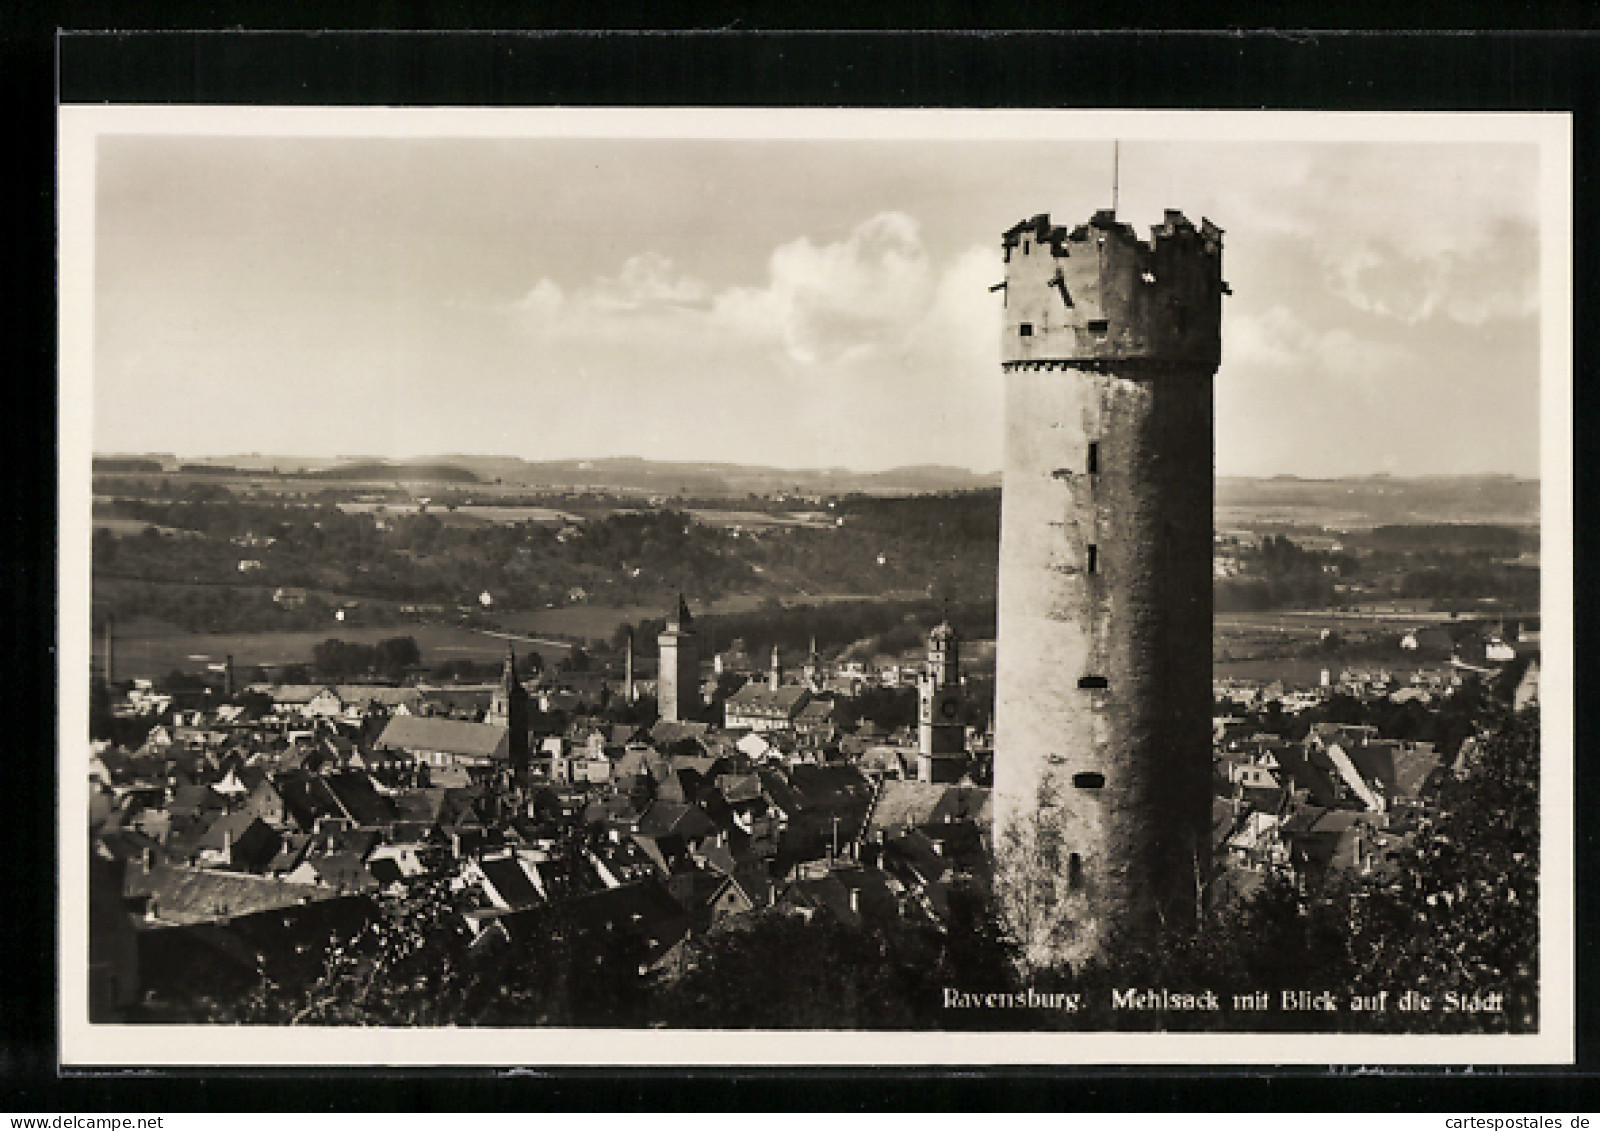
1074 871
1098 326
1025 329
1024 247
1094 458
1094 558
1095 682
1088 780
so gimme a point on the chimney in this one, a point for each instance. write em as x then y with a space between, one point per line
775 679
227 846
855 901
628 692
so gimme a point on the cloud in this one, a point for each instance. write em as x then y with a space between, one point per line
1284 345
859 295
1487 274
873 294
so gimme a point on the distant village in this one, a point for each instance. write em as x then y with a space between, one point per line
271 819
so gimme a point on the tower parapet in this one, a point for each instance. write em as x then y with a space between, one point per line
678 680
1099 294
1103 675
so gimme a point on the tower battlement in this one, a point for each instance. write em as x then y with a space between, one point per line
1097 293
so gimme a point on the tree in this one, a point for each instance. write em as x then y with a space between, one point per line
396 656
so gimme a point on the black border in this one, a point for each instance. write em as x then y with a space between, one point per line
1542 70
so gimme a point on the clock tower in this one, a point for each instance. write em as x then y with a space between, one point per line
942 736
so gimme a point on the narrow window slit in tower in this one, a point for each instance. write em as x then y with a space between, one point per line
1093 467
1094 558
1074 871
1088 780
1095 682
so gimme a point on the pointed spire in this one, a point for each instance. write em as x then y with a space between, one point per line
683 612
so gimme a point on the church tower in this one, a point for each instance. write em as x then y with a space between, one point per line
1103 680
678 685
509 708
941 735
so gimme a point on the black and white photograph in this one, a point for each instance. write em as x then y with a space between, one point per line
830 586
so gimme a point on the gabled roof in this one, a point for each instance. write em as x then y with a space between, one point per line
446 736
194 895
365 696
295 694
908 804
816 711
307 797
342 870
643 911
668 852
419 805
874 898
252 843
358 797
510 882
665 733
671 817
1317 781
757 698
739 787
1414 763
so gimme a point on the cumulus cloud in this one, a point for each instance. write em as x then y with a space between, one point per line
872 293
827 302
872 319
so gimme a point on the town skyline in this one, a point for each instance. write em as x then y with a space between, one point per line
785 302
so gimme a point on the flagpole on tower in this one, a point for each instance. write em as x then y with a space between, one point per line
1116 162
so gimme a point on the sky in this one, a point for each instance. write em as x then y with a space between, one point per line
786 301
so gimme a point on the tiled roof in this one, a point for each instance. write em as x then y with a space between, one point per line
510 882
193 895
670 817
903 804
295 694
446 736
364 696
757 698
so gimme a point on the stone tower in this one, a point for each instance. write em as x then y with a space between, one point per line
941 734
678 682
1103 681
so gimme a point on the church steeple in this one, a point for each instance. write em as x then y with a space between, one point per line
509 707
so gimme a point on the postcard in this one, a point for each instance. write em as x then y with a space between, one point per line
743 587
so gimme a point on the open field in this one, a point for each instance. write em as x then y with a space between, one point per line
757 520
1308 672
152 653
151 649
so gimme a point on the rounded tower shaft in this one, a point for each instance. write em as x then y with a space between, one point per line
1103 680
